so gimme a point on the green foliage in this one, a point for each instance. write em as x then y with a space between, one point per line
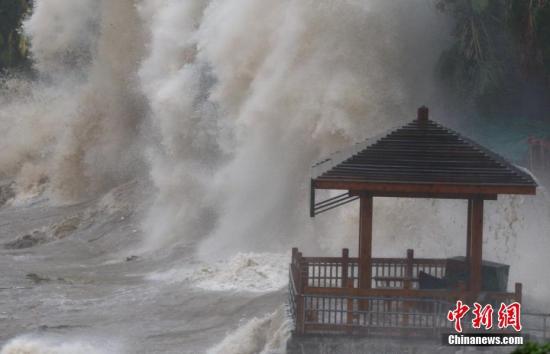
533 348
479 6
13 46
475 63
501 52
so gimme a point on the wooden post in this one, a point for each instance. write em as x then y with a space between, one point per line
517 291
345 262
469 231
422 114
365 242
476 252
365 246
299 298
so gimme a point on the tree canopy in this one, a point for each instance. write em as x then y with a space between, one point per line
500 56
13 46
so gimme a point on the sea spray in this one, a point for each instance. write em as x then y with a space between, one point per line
243 107
76 125
185 150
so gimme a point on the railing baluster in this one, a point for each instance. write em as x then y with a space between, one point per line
345 263
331 279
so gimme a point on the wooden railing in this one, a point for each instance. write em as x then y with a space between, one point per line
324 295
336 272
537 325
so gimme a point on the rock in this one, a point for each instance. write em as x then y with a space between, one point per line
27 241
37 278
6 193
66 227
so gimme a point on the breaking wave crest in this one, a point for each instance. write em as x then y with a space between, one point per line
250 272
265 335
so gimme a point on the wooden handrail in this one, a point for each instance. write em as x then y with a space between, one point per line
394 279
435 261
377 292
403 293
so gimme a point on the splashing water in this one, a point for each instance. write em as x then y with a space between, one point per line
77 125
223 112
266 335
262 100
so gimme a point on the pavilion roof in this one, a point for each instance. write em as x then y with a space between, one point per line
425 159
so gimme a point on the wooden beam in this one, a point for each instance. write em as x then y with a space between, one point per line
476 245
365 241
428 195
428 187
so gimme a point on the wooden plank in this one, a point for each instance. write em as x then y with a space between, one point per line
368 170
419 176
426 180
399 161
435 168
417 187
472 178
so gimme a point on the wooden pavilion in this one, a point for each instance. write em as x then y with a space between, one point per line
363 294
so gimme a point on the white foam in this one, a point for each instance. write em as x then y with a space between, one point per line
252 272
31 344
